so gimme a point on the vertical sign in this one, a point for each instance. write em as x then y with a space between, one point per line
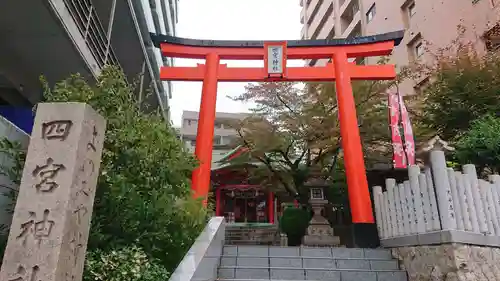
50 227
275 59
397 141
408 133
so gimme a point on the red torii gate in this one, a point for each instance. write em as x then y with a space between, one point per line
275 55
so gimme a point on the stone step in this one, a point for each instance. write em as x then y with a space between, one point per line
306 263
310 252
273 242
284 273
244 233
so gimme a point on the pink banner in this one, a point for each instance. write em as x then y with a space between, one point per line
408 133
398 158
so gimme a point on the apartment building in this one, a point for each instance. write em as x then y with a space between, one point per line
224 136
56 38
429 25
327 19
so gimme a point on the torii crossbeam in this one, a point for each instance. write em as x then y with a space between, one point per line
275 55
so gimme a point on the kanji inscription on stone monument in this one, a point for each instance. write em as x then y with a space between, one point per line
50 226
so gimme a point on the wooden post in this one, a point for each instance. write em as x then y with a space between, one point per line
413 172
205 134
494 179
456 202
386 215
390 184
422 181
443 190
399 211
357 184
470 172
484 187
218 201
270 204
410 205
404 209
436 221
464 201
379 219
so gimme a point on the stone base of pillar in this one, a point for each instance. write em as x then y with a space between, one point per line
365 235
320 236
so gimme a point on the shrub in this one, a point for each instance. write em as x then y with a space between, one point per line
130 264
480 145
13 156
143 195
294 223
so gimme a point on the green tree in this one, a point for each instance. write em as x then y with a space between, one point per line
293 133
480 145
13 156
143 194
461 87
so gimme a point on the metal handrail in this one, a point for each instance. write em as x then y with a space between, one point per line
94 34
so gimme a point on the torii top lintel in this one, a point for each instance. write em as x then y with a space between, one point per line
375 45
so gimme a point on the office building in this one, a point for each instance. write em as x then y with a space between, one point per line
56 38
429 25
225 137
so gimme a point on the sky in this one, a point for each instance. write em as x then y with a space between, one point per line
230 20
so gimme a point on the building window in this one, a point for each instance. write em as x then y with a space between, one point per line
371 13
419 49
190 122
416 48
411 9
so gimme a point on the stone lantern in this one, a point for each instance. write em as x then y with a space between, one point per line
319 232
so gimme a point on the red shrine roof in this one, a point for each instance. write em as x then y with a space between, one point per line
239 151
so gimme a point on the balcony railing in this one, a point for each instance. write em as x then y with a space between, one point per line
89 25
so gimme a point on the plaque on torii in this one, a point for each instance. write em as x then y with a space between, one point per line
275 54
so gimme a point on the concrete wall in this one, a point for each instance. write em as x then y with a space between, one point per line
203 258
13 133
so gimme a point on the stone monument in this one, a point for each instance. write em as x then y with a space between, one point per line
50 226
319 232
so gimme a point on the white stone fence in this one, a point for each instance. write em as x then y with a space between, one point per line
437 200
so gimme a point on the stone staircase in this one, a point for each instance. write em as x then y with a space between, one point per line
273 263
